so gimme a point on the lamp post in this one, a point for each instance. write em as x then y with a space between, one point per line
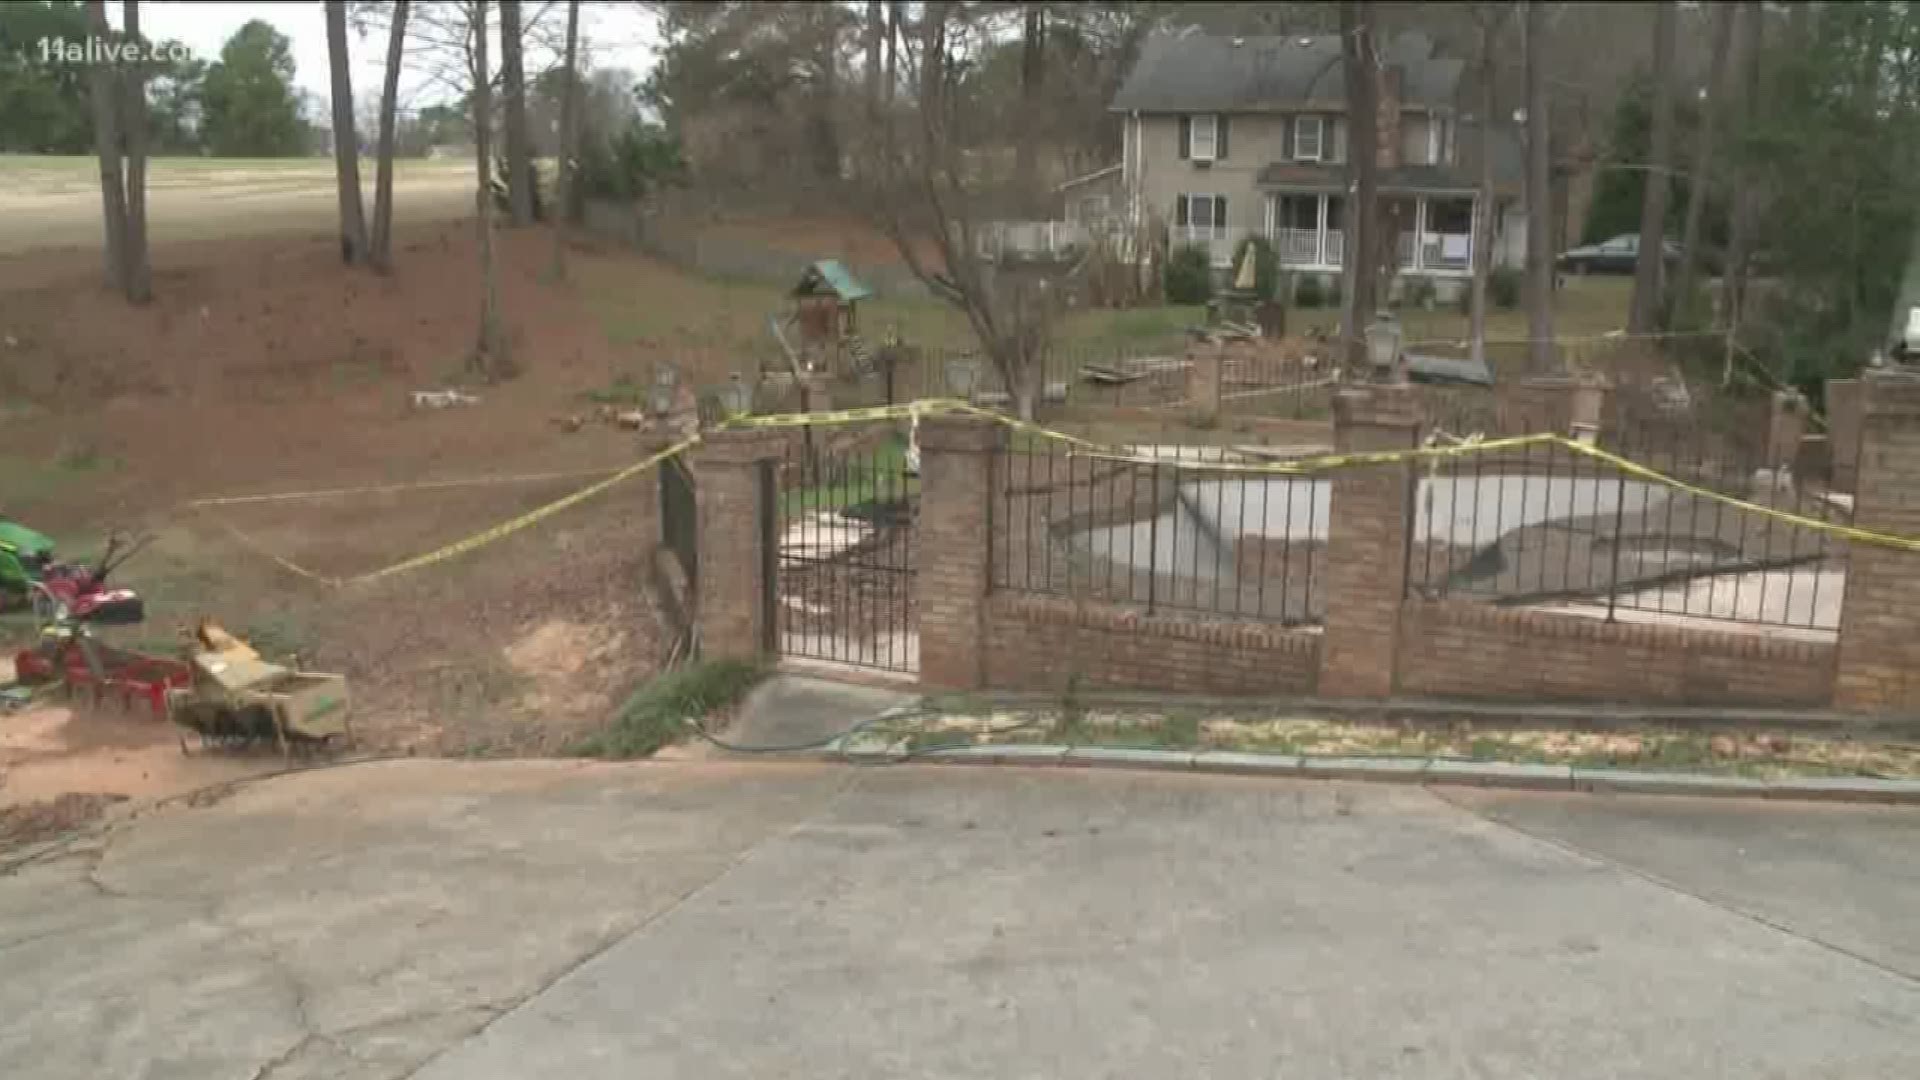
962 375
1383 337
736 397
665 390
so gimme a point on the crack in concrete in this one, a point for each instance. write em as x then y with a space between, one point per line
640 927
1599 859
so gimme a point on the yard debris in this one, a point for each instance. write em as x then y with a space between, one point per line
443 399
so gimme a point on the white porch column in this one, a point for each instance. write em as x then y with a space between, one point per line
1320 234
1419 232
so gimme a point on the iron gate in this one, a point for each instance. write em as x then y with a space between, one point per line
844 550
680 516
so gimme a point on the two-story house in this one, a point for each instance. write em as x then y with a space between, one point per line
1226 137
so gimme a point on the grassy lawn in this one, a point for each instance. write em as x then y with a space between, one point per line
715 325
878 476
1753 754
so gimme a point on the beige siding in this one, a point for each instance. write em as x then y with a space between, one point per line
1253 142
1414 133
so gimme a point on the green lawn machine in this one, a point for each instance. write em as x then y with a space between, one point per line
24 558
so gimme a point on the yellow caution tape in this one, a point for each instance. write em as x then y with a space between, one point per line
470 543
507 528
1083 447
393 489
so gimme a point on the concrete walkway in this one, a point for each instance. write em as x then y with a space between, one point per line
728 919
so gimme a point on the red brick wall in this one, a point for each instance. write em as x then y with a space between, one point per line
1879 665
1468 650
1037 642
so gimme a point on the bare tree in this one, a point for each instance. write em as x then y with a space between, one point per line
1649 267
1033 47
569 117
382 253
1539 191
1740 235
875 29
346 141
489 358
106 142
1685 282
921 198
893 49
513 80
1488 17
1361 61
139 273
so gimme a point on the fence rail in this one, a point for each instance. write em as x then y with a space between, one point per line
1547 524
1172 537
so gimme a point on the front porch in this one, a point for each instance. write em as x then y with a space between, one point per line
1435 231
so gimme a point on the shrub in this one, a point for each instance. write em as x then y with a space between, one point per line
656 714
1308 292
1418 292
1266 266
1189 278
1503 288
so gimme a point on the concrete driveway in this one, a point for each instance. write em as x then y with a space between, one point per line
726 919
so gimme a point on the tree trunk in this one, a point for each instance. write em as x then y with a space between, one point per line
569 117
513 85
1026 171
1484 206
1733 278
1360 61
383 166
1649 267
1686 281
893 50
875 29
826 105
139 271
933 68
346 143
1541 353
487 353
106 143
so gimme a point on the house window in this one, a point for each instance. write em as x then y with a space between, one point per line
1201 214
1203 137
1093 208
1308 134
1337 140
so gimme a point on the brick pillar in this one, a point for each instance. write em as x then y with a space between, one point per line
1367 536
1879 656
1587 411
731 595
1843 432
1204 367
957 456
1786 426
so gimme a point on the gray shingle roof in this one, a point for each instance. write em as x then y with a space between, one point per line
1207 73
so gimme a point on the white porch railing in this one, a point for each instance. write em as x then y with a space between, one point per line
1447 251
1297 247
998 240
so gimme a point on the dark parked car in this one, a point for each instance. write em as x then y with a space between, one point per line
1614 256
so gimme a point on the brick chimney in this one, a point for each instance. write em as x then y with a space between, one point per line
1387 118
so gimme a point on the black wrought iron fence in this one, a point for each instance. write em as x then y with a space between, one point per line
1547 524
1170 536
679 516
847 553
